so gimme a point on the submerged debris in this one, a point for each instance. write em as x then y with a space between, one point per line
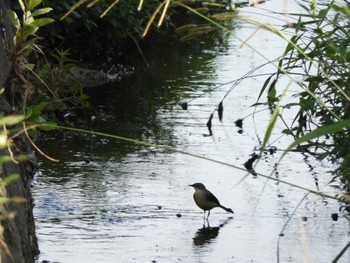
184 105
239 123
249 164
335 217
209 124
91 78
220 111
304 218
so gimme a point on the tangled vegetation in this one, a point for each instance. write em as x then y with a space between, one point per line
319 52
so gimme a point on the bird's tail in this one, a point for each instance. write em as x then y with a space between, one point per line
227 209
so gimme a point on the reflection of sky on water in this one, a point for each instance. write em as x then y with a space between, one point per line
112 201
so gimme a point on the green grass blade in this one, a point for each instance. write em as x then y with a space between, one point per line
341 253
8 179
147 144
322 131
270 127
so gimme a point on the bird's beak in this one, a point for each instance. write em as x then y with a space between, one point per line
190 185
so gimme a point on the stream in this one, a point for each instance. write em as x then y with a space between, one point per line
109 200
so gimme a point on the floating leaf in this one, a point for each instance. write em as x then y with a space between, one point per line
220 110
335 217
249 164
184 105
209 124
272 150
239 123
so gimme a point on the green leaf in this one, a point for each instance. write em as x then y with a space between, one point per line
22 5
12 200
5 159
28 19
19 158
42 22
8 179
31 66
264 87
272 92
323 13
33 3
291 44
322 131
4 142
299 25
42 11
35 111
48 126
271 126
13 18
11 119
28 30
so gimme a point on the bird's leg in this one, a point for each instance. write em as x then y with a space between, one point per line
204 214
208 215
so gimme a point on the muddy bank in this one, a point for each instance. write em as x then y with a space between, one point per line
17 235
20 242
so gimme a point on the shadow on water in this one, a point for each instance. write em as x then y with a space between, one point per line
208 234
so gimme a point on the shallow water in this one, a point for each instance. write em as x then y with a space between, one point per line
113 201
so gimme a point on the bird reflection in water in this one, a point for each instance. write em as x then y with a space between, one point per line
207 233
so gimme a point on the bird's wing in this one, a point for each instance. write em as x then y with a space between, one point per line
213 198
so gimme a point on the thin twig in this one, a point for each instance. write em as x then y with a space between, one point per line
36 147
9 146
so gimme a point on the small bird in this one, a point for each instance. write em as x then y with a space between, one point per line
206 200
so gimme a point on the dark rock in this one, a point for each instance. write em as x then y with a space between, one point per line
335 217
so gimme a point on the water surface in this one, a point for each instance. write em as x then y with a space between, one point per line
114 201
